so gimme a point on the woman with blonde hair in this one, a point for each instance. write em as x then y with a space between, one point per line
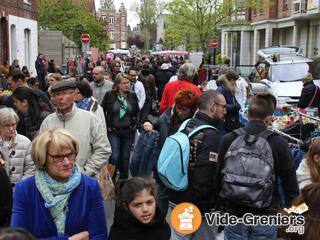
122 110
310 94
309 169
58 202
227 89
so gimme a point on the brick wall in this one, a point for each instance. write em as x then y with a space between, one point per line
19 8
269 11
284 8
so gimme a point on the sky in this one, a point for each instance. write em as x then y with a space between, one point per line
133 18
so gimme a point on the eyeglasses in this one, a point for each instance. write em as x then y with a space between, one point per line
222 105
60 158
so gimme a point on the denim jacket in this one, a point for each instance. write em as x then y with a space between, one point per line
145 154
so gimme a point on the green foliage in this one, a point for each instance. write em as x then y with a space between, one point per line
148 12
218 58
196 19
173 38
73 20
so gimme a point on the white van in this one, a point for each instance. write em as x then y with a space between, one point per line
120 52
285 68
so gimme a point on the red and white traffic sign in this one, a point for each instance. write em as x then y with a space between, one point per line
85 38
214 43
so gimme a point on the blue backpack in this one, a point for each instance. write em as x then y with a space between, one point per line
174 158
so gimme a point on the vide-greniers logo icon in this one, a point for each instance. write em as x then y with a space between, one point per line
186 218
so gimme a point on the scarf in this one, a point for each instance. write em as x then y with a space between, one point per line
56 195
84 103
123 106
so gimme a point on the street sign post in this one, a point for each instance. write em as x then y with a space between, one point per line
85 40
214 45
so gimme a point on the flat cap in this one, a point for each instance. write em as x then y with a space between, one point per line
63 85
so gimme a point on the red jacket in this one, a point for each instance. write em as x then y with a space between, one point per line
170 91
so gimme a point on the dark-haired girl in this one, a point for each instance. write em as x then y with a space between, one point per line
137 216
30 111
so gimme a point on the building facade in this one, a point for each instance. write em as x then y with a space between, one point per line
281 22
115 23
19 32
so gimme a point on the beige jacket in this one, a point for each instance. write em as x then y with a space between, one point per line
94 147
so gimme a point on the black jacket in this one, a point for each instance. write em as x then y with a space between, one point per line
202 166
5 198
162 78
307 94
127 227
283 165
107 104
167 124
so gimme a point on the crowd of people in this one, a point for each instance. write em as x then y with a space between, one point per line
58 132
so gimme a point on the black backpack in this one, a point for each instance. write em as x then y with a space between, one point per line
248 173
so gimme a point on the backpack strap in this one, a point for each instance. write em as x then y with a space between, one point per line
253 138
183 125
314 95
197 129
266 134
240 131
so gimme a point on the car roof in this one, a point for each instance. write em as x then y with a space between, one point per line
278 55
288 58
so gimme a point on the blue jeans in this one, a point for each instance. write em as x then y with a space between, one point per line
121 142
245 232
144 154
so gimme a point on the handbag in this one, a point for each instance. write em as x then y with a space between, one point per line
105 181
155 108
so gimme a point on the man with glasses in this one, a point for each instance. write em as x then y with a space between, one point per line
137 87
202 164
95 148
100 85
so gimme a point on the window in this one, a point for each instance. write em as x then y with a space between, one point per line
123 36
111 20
27 47
13 43
111 36
123 20
285 5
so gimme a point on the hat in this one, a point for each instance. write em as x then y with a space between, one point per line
63 85
164 66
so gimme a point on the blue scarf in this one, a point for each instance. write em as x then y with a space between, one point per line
56 195
84 103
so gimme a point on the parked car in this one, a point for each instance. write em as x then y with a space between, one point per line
280 72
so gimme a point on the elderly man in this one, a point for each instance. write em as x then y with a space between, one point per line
95 148
99 85
185 76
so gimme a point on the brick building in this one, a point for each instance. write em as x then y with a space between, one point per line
281 22
115 23
19 32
